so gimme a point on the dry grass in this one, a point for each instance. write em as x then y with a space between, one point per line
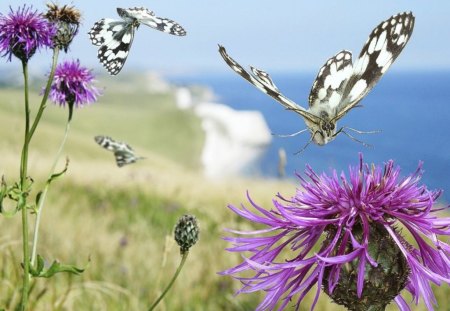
122 219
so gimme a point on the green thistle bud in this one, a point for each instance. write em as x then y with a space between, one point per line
381 284
66 20
186 232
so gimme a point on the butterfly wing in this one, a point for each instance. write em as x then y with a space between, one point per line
115 39
381 49
135 13
165 25
263 82
328 87
106 142
101 31
123 152
147 17
125 155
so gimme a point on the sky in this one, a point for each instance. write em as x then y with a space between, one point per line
284 35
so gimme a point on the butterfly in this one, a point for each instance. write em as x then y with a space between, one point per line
339 85
123 153
114 37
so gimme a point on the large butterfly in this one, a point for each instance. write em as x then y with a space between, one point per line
340 85
123 153
114 37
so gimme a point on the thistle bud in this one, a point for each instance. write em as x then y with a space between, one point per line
186 232
66 20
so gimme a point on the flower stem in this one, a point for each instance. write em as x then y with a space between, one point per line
24 192
24 169
46 92
183 260
47 186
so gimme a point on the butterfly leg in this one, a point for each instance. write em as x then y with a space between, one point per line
307 144
341 130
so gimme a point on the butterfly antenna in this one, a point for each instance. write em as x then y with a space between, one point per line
291 135
354 139
362 132
307 144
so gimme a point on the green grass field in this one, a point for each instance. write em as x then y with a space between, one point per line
122 219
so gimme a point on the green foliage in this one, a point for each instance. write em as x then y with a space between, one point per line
56 267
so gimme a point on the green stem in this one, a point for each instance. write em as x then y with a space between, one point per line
22 203
46 92
24 170
183 260
47 186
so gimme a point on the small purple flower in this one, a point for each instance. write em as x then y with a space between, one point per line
343 235
24 31
73 84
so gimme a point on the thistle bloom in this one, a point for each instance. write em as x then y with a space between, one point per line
24 31
342 234
73 84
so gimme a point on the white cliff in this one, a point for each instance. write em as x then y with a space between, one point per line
234 139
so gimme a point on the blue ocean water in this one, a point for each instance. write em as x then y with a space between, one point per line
412 109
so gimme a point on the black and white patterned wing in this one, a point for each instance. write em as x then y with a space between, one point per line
125 156
328 87
107 142
115 39
135 13
263 82
381 49
165 25
101 31
147 17
123 152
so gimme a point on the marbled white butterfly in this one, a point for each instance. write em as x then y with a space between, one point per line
123 153
114 37
340 85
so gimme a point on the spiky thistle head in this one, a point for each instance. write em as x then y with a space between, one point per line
342 234
67 21
73 84
186 232
23 32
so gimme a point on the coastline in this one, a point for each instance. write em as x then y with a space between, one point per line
234 139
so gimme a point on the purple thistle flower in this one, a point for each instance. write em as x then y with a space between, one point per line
24 31
338 229
73 84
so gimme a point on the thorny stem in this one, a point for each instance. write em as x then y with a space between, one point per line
183 260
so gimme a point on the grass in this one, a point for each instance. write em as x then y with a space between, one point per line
118 222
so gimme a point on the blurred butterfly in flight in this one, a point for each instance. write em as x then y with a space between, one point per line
339 85
114 37
123 153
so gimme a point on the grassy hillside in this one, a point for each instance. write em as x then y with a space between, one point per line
122 219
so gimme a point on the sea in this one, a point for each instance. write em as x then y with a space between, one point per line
411 109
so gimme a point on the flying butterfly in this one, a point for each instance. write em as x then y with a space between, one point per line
339 85
114 37
123 153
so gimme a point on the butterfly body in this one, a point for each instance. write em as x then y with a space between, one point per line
340 84
115 37
123 152
325 131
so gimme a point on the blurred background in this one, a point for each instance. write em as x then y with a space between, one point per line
198 123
